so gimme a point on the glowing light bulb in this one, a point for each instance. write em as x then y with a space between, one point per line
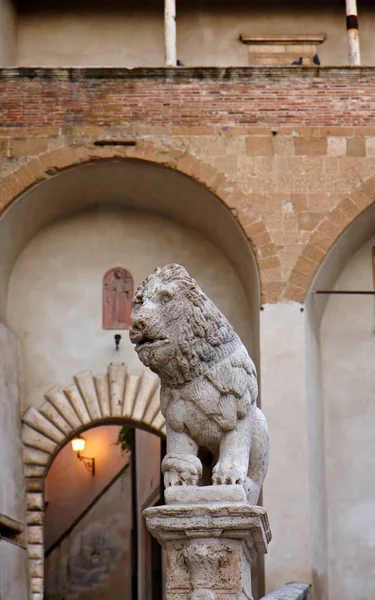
78 444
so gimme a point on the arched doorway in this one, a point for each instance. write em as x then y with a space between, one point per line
340 382
115 397
57 242
96 544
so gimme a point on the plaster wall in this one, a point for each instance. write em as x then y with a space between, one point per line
207 32
66 502
8 34
339 256
54 301
285 491
148 460
12 487
14 573
94 561
348 381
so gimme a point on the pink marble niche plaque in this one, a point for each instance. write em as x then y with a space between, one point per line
118 291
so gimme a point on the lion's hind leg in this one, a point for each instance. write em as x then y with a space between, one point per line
258 462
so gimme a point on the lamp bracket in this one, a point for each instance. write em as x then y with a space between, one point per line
88 462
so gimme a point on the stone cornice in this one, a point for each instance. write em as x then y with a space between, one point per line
283 39
187 73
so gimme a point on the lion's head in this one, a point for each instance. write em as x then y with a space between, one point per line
177 330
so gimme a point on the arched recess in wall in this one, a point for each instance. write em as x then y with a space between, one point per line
132 184
339 336
149 192
117 397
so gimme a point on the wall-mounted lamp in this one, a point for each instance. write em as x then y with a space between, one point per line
117 340
78 445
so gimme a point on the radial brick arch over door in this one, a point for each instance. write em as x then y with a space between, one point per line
92 400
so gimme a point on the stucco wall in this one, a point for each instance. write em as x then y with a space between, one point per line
8 34
12 489
14 573
285 490
348 383
207 32
55 293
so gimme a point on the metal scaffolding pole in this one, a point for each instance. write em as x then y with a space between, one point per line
352 28
170 32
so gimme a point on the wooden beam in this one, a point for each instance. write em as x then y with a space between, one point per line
352 29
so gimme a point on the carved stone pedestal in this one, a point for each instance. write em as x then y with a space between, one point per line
210 535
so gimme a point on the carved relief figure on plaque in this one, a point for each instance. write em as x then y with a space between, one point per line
208 383
118 289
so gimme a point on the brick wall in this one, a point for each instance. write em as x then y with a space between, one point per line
193 96
290 151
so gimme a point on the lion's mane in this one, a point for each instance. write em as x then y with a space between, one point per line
204 338
204 335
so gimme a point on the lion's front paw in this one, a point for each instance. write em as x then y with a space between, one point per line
181 469
228 472
172 478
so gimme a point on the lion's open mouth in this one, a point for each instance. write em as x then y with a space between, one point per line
147 341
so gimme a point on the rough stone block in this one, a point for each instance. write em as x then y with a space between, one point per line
356 147
259 146
308 221
33 438
370 146
30 146
34 501
34 471
35 534
311 146
290 591
192 494
336 146
34 518
284 145
36 570
35 550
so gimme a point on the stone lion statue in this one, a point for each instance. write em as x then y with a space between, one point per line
208 383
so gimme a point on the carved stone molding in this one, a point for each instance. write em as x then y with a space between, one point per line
282 49
208 561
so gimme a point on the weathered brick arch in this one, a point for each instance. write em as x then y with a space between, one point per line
226 190
325 235
273 287
115 397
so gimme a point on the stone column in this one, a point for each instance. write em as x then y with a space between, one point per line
352 29
170 33
210 535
